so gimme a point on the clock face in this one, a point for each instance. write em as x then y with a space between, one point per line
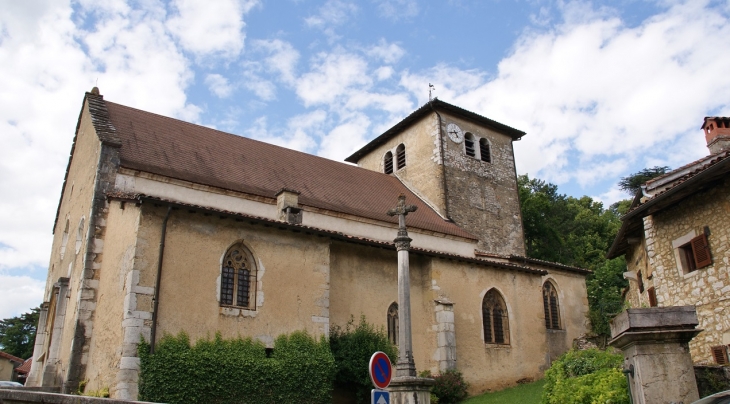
455 132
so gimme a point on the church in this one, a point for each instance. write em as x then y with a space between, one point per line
165 226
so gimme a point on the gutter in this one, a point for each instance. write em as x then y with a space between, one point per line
156 297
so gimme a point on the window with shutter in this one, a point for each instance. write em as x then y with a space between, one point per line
652 296
388 163
701 251
720 354
469 145
484 152
495 319
400 154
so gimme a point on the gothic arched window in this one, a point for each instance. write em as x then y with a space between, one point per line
469 145
238 278
393 323
388 163
400 154
551 305
484 152
495 318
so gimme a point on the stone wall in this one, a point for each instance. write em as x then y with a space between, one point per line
706 288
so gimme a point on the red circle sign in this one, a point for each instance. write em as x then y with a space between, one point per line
381 371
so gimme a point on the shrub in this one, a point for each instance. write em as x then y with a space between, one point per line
450 386
352 348
586 377
300 370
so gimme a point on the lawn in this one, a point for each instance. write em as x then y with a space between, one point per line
522 394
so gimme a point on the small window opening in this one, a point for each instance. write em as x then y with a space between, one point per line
64 240
388 163
393 324
484 151
469 145
80 235
652 296
695 254
400 153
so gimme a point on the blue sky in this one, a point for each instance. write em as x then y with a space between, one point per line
602 89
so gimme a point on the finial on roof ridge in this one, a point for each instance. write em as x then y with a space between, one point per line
95 90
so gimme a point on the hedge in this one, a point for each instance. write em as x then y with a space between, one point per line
586 377
237 371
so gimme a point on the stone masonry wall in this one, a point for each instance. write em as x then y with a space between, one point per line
706 288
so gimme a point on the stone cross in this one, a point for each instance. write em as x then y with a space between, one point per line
405 366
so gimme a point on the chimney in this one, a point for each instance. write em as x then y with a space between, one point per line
717 133
287 203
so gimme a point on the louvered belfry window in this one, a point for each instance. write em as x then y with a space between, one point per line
393 323
238 278
484 152
388 163
469 145
551 306
400 154
495 319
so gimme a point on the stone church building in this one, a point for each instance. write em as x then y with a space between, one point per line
165 226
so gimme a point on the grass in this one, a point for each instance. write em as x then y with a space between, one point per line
522 394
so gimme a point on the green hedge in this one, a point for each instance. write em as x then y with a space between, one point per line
586 377
300 370
352 348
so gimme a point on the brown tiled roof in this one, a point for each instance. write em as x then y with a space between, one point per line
25 367
300 228
181 150
11 357
426 109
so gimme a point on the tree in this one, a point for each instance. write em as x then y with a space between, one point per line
632 183
17 334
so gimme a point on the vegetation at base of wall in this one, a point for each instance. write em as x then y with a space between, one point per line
449 388
528 393
228 371
711 380
17 334
352 347
586 377
576 232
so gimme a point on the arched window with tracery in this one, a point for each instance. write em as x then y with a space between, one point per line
388 163
551 305
495 318
469 145
393 323
484 152
400 154
238 278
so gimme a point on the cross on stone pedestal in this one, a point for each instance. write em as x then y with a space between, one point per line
405 366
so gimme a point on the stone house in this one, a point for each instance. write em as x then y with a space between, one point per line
675 240
8 366
165 226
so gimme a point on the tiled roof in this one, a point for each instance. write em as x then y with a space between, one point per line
329 233
11 357
25 367
426 109
181 150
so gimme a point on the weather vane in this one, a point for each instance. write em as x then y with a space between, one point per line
430 87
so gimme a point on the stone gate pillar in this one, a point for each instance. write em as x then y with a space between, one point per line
657 361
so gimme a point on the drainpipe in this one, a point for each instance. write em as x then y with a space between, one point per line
629 372
443 162
156 297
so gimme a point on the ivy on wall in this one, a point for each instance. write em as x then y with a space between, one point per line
300 370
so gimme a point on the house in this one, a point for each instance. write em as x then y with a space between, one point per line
165 226
675 240
8 366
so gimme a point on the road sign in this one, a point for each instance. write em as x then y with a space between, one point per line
381 371
379 396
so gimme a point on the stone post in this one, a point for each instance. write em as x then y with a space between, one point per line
657 361
52 376
406 387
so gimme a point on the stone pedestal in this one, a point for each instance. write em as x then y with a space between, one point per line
657 361
410 390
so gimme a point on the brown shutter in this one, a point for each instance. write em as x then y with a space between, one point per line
720 354
701 250
652 296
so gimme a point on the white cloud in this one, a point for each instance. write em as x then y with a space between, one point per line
345 138
384 72
218 85
282 58
333 12
264 89
387 52
18 294
298 134
397 9
205 27
330 77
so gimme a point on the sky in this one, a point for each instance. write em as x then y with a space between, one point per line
602 88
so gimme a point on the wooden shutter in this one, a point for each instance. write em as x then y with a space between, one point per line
720 354
701 251
652 296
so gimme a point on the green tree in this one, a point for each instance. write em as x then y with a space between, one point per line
632 183
17 334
